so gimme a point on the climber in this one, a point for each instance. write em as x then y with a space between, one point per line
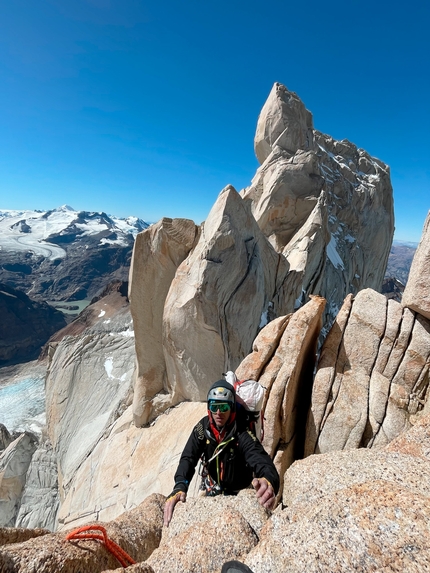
232 457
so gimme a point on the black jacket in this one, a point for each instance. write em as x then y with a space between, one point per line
241 458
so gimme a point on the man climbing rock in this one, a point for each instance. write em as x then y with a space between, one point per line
232 456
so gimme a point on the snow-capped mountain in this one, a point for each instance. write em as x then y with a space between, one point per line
63 254
46 232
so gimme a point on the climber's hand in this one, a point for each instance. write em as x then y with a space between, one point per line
170 505
265 493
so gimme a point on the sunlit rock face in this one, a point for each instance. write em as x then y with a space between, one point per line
88 386
283 121
127 465
372 377
317 219
218 297
89 383
157 253
283 359
417 291
325 204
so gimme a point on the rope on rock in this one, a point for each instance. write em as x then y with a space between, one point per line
85 533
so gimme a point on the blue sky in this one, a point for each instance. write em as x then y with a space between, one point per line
149 109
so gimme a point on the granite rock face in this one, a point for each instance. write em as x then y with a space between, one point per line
42 485
366 527
317 219
88 386
218 298
14 462
283 121
417 291
326 205
157 253
127 465
372 377
283 360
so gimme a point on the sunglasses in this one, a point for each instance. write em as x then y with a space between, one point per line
221 406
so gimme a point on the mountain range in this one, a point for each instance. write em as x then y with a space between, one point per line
63 254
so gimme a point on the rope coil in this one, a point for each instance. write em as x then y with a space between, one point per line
85 533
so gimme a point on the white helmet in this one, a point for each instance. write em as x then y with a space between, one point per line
222 391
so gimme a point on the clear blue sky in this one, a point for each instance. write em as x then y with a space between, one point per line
149 109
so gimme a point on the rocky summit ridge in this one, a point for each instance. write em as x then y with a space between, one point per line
297 257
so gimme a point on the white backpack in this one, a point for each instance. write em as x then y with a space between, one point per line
250 394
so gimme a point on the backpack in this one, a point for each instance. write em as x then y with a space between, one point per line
249 402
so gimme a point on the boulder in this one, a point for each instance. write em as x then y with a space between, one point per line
416 441
356 510
206 532
14 462
417 295
137 532
313 478
157 253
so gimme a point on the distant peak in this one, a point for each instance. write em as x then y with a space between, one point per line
65 208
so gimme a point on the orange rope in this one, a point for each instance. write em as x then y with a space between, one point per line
123 557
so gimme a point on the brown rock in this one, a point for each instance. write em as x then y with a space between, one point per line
206 532
374 526
322 395
18 534
289 394
137 532
313 478
263 348
416 441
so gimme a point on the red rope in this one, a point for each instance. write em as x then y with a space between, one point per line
123 557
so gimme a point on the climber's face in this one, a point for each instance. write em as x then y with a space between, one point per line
220 412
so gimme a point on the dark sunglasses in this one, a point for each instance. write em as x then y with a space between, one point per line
221 406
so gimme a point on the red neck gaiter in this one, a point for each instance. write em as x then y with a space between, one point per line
221 434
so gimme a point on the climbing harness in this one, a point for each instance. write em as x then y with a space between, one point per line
119 553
